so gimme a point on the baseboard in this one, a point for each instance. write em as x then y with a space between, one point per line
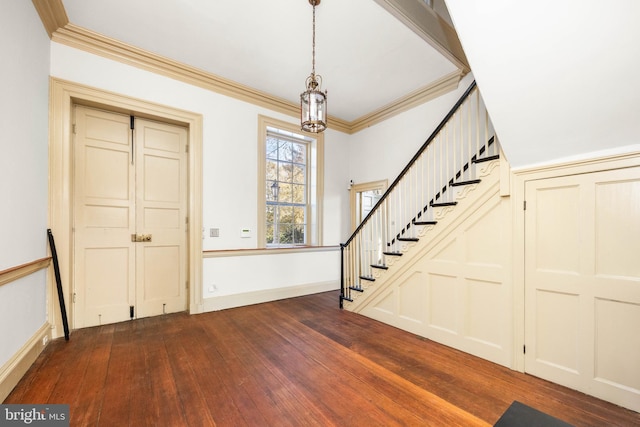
256 297
15 368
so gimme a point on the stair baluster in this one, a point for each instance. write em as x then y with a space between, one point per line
428 182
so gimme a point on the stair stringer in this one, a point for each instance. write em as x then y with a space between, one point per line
440 291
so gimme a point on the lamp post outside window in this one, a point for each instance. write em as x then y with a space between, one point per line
275 188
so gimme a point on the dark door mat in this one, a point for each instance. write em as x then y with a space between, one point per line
521 415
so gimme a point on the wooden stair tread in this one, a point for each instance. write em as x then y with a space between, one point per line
486 159
392 253
425 222
461 183
441 204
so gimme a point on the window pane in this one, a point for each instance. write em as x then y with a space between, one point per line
286 215
298 174
286 234
298 235
285 194
272 170
272 147
298 193
285 172
269 233
299 153
270 214
286 149
298 216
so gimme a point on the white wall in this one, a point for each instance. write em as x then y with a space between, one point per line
558 78
383 150
24 47
279 274
230 138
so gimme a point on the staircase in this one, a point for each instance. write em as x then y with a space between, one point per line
444 170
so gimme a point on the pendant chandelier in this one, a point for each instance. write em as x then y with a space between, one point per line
313 102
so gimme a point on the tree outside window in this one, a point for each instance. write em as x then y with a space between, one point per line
286 190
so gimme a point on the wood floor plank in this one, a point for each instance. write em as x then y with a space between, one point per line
294 362
188 387
207 366
255 408
91 385
66 388
269 393
116 403
401 402
294 408
316 382
142 410
451 373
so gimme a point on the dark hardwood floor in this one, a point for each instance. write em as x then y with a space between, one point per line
295 362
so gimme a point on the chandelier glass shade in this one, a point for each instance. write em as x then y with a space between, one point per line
313 102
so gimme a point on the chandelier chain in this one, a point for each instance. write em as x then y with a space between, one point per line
313 43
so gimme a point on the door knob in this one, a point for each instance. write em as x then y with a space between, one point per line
141 237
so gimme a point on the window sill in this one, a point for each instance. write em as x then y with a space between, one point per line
266 251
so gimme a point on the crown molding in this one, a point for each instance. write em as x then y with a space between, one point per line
439 87
56 22
89 41
52 14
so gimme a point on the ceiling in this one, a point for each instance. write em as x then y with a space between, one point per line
564 84
372 55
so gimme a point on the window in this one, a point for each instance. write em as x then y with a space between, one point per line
290 190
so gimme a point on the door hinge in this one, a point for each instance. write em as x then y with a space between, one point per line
131 311
525 205
186 284
524 349
132 120
186 148
74 297
73 128
186 223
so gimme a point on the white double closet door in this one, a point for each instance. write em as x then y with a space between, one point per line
582 283
130 218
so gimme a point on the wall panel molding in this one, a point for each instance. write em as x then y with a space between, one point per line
17 366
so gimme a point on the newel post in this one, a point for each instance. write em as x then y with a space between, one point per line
342 290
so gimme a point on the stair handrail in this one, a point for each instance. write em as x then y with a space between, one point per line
421 150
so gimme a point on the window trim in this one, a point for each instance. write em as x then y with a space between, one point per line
315 167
